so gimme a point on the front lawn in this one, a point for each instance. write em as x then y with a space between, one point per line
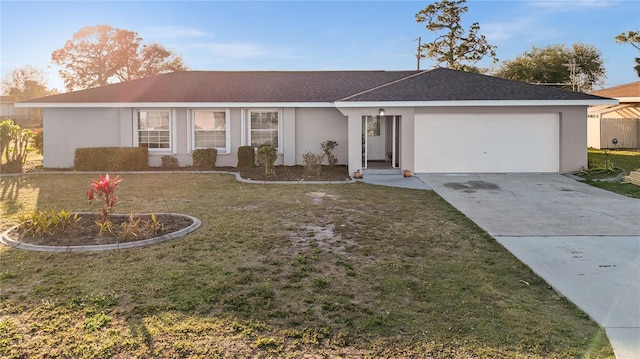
315 271
622 160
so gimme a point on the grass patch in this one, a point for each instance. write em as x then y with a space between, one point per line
280 270
623 160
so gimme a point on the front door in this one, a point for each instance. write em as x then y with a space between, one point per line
376 139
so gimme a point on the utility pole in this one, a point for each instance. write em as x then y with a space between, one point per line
419 50
572 73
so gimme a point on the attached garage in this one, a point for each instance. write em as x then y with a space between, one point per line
488 143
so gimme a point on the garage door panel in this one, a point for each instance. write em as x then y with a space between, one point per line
449 143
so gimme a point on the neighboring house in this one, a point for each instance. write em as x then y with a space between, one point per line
8 110
616 125
21 116
438 120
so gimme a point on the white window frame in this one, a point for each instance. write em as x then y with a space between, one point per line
246 125
192 132
172 129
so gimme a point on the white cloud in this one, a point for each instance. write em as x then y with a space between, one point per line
505 30
170 32
526 29
573 5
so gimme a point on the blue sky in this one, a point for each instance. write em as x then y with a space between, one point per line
313 35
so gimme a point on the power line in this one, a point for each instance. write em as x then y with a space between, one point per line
419 55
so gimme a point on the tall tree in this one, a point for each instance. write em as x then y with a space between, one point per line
580 67
632 38
99 55
457 48
26 83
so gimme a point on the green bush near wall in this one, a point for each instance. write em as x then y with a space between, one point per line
205 158
111 159
169 162
246 157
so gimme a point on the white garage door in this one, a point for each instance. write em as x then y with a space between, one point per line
487 143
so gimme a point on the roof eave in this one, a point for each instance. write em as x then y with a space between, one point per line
339 104
475 103
173 104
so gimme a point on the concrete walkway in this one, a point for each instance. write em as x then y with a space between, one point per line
584 241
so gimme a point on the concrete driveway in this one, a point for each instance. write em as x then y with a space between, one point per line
584 241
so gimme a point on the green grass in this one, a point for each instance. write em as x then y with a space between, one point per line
625 160
356 271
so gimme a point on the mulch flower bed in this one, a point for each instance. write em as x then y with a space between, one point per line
85 231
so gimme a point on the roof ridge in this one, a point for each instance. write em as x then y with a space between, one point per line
384 85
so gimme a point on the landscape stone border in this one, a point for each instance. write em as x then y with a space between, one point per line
4 238
235 174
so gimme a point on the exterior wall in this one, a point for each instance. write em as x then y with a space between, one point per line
573 138
316 125
593 132
303 129
67 129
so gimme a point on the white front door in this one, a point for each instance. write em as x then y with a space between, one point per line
376 139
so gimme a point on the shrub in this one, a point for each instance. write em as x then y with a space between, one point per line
312 164
246 157
327 148
43 222
105 189
38 140
169 162
204 158
267 156
111 159
135 226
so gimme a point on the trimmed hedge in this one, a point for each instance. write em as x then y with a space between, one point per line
111 159
246 157
169 162
204 158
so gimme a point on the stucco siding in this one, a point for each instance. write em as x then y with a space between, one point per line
67 129
316 125
593 132
573 138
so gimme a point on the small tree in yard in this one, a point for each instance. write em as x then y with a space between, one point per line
267 156
327 148
13 145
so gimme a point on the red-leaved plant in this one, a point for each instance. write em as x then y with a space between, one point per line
104 188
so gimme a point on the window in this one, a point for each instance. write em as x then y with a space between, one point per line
373 126
210 129
264 127
154 129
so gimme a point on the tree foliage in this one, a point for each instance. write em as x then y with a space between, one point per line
457 48
99 55
632 38
552 65
26 83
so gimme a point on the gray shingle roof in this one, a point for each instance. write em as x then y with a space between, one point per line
226 86
452 85
313 86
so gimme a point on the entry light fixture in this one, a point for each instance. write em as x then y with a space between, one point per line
381 112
